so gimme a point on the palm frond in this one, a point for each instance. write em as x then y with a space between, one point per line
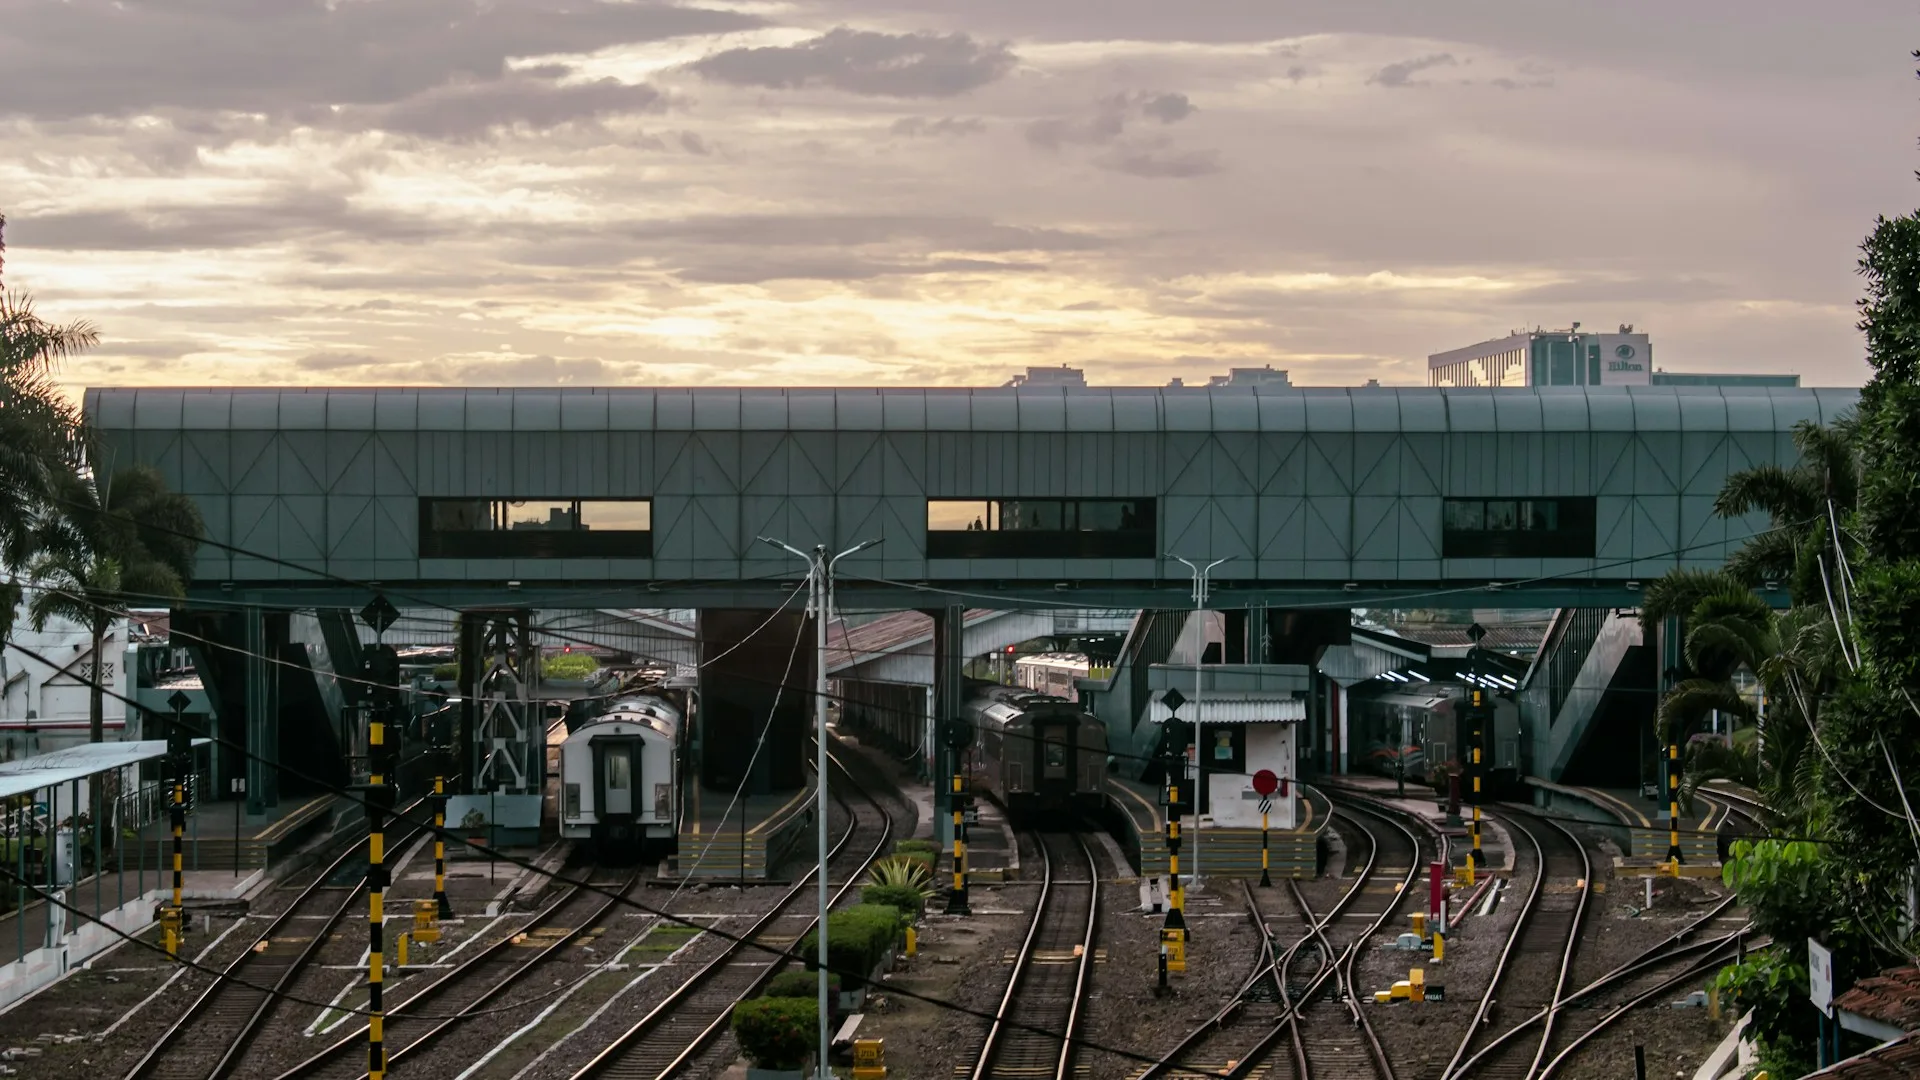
1769 556
1676 593
1785 495
1827 452
1691 699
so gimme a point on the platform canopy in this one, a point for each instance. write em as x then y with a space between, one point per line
77 763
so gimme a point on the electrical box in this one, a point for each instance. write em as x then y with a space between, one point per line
869 1059
426 921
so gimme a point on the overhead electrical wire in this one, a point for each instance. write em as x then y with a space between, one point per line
560 878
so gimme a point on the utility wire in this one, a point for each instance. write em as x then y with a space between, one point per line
561 878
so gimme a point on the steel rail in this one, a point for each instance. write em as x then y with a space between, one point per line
1264 1047
1673 947
398 1017
611 1061
1463 1063
1267 965
1699 968
226 1017
996 1044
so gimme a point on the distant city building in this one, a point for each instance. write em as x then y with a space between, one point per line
1573 357
1243 376
1570 357
1711 378
1050 376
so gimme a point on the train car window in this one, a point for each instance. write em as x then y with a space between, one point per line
1560 528
536 528
619 771
1041 528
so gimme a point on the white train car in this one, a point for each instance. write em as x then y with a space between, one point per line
619 777
1051 673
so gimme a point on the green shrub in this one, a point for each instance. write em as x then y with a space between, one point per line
906 898
858 938
903 847
447 672
904 872
777 1032
568 666
799 984
920 856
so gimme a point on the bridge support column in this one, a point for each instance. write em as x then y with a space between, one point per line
949 659
261 678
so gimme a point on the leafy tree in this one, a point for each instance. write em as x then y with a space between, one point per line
37 427
112 541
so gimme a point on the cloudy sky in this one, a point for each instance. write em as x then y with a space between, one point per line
530 192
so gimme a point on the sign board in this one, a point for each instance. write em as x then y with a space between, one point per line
1265 782
1266 805
1174 944
1820 974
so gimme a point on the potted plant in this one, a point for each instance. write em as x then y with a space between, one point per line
474 824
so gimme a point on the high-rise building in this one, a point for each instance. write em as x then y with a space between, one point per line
1050 376
1570 357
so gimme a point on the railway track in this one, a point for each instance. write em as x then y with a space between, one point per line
211 1037
1052 971
1244 1039
1532 971
670 1037
473 988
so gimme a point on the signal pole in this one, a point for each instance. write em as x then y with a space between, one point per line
382 671
179 747
820 582
1202 579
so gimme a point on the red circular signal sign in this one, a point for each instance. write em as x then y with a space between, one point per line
1265 782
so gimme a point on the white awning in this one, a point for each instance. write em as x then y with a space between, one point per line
77 763
1222 709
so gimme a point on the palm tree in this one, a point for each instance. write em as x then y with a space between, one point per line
1802 503
37 429
112 541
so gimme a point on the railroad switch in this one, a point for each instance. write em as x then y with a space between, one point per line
870 1059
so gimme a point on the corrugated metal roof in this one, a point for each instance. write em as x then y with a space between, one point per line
77 763
1221 709
849 645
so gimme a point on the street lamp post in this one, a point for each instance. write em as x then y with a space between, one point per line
820 601
1201 582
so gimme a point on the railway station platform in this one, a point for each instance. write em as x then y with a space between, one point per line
1495 845
1224 852
724 839
220 838
1638 824
40 942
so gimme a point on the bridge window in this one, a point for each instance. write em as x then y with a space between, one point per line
1040 529
1518 529
536 528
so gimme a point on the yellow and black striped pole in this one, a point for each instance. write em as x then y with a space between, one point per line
1673 806
442 765
178 748
376 895
1475 860
957 902
1176 897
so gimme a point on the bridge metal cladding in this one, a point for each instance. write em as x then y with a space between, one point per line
1065 496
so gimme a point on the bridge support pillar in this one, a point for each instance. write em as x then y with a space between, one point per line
949 660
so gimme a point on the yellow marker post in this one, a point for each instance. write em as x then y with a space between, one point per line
1673 806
